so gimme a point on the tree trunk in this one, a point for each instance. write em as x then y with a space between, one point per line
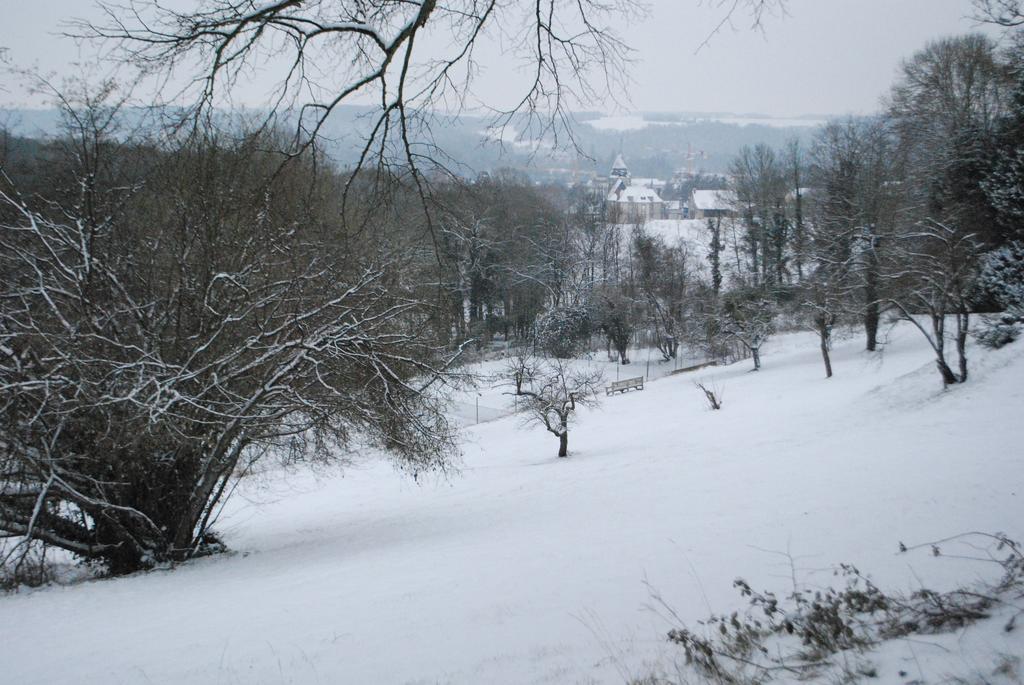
622 346
962 322
871 313
798 230
563 443
823 335
715 226
871 318
939 331
763 240
948 377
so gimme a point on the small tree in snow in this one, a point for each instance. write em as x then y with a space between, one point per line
749 319
521 368
713 395
823 311
661 276
1002 275
1002 278
552 390
562 331
826 298
613 315
940 265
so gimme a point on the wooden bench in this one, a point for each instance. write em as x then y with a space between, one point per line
625 385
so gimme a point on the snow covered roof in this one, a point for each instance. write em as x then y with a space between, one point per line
720 200
649 182
619 167
634 193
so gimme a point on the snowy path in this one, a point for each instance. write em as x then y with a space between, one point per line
530 569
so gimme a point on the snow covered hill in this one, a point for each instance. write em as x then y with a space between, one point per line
525 568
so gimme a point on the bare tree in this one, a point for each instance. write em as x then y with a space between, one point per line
824 304
1009 13
795 165
521 368
411 58
414 62
945 110
661 277
855 208
760 182
469 246
154 346
614 315
937 280
553 390
746 317
758 10
713 395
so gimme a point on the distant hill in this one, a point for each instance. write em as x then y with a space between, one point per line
654 144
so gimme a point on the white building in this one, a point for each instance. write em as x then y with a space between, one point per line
705 204
628 201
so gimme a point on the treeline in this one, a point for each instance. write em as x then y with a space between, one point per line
898 213
913 214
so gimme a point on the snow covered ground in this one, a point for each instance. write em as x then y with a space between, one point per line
492 397
525 568
691 234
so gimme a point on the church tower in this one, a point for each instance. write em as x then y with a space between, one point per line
618 179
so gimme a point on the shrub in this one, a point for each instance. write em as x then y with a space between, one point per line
563 331
997 331
812 633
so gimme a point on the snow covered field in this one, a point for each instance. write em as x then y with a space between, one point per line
525 568
492 398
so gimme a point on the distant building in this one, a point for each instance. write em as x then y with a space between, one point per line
707 204
619 169
628 201
655 183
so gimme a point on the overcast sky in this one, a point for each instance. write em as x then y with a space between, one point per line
822 57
